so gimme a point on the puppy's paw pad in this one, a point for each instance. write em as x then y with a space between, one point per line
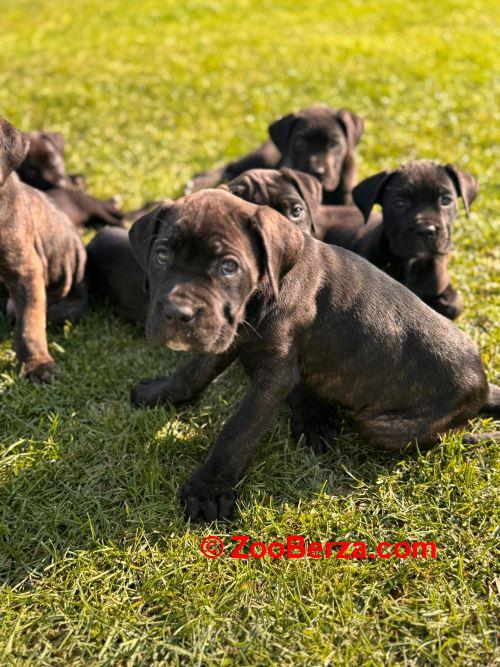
204 502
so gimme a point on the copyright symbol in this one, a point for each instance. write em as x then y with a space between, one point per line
212 546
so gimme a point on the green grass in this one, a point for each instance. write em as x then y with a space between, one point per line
96 564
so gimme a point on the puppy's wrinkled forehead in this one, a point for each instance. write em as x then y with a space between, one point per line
264 187
422 178
210 221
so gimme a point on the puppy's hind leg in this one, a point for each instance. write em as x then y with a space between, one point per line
313 418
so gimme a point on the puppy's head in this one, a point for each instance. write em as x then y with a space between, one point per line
294 194
14 145
203 256
317 140
419 203
44 166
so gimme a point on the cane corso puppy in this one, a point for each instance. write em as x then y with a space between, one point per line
42 260
231 280
43 168
115 275
419 206
317 140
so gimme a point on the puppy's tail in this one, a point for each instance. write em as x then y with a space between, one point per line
492 405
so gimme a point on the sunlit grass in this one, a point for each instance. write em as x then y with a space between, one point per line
96 563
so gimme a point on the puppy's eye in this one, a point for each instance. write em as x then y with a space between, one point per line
228 267
400 203
296 211
162 255
446 200
333 143
300 142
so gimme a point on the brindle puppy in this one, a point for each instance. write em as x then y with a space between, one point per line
317 140
419 206
42 260
231 280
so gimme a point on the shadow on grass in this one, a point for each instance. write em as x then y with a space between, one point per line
104 485
81 468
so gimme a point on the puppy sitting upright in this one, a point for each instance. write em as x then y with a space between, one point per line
231 280
42 260
411 243
317 140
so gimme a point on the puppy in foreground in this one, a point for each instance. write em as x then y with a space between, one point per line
42 260
232 280
413 239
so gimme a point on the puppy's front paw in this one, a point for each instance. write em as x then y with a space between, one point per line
205 500
151 392
41 372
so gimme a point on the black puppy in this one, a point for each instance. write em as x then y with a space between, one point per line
419 205
84 210
115 275
230 280
43 168
317 140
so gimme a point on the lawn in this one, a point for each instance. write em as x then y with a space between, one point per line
96 564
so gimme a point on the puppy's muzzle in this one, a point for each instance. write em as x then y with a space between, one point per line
178 313
426 232
432 236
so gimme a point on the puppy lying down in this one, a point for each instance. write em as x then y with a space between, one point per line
317 315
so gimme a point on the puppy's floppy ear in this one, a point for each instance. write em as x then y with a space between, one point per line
57 139
370 192
280 244
143 233
280 130
466 185
14 146
308 187
241 186
352 125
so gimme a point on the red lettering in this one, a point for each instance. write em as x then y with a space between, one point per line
242 540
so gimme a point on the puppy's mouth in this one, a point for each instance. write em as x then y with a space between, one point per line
328 181
209 333
410 246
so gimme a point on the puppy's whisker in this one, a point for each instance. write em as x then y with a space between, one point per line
251 327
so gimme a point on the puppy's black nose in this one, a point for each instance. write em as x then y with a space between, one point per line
427 232
178 311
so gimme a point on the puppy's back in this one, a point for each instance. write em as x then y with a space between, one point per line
383 335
